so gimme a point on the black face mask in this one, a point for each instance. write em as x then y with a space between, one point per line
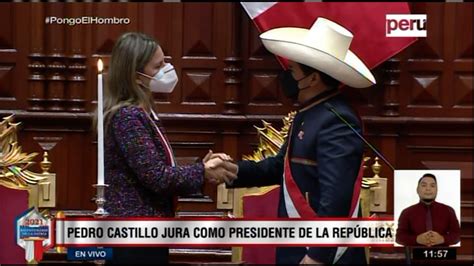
289 85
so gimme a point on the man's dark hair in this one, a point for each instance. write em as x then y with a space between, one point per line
329 81
427 175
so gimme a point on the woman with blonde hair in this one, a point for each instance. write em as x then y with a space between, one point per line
140 167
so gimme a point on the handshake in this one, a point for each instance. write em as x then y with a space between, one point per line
219 168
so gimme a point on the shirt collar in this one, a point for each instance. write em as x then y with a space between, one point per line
323 96
427 205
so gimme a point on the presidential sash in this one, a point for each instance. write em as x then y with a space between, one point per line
296 204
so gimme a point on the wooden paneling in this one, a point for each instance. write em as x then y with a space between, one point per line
436 73
261 89
13 51
419 115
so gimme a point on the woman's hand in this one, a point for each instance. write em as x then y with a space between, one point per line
218 168
210 155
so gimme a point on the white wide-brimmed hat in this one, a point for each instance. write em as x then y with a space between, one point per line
324 47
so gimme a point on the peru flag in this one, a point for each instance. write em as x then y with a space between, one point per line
366 21
34 250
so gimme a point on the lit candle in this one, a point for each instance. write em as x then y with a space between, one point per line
100 125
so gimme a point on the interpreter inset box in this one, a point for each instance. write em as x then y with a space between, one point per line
427 207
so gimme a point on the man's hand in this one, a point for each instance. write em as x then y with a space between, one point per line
218 168
435 238
424 239
308 260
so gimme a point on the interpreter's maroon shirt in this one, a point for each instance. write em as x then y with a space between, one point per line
412 222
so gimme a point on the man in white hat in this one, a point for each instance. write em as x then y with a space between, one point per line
318 167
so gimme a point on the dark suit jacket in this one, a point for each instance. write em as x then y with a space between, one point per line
325 158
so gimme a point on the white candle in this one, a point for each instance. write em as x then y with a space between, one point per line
100 125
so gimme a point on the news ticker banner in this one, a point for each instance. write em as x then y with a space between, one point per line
114 232
37 233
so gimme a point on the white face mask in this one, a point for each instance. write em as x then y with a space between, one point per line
164 81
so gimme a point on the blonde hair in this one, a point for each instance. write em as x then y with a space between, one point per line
130 54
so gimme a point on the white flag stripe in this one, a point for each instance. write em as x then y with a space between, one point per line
254 9
290 207
340 250
29 250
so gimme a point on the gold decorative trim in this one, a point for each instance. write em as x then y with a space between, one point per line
14 163
304 161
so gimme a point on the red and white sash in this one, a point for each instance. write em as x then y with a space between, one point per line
168 151
296 204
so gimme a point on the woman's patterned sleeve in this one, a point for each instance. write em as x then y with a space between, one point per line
146 160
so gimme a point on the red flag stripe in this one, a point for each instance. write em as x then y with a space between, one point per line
38 247
302 207
357 188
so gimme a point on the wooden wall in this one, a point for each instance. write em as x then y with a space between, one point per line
420 114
